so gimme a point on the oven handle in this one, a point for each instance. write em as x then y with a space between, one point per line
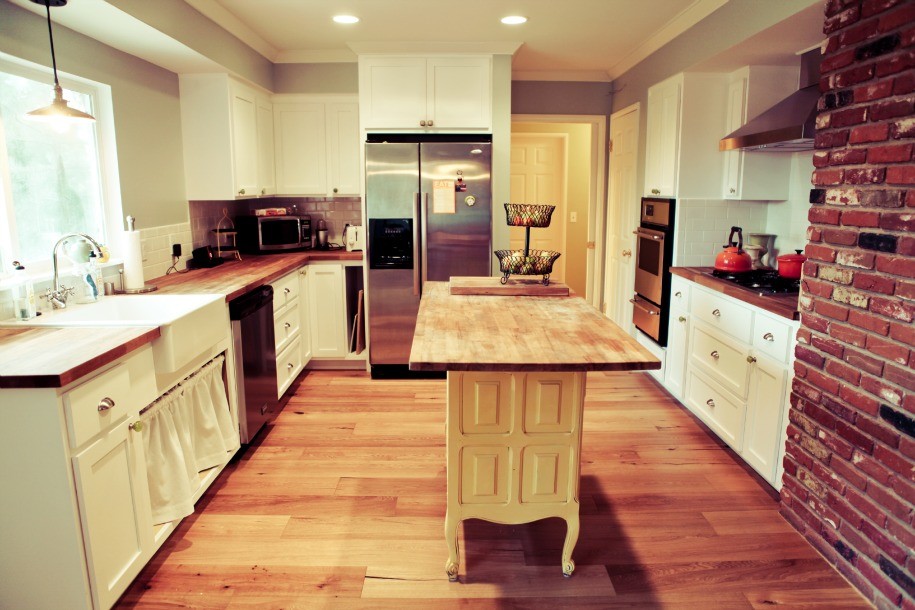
639 304
655 235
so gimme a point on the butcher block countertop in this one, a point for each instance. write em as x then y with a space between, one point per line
784 305
519 333
48 357
234 278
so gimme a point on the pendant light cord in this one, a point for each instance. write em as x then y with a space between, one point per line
47 6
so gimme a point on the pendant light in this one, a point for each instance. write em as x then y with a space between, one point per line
58 110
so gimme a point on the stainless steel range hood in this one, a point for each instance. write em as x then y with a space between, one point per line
789 125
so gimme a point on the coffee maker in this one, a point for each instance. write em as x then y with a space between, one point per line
321 235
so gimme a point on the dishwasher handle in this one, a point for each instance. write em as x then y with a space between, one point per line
248 303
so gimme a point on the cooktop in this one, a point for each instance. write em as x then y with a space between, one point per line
761 281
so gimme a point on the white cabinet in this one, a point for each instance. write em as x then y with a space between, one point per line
327 310
426 93
763 437
226 129
677 337
685 121
317 145
287 324
305 316
756 175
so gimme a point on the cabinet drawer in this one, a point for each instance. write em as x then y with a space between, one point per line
285 290
722 359
286 326
722 313
772 337
288 366
713 406
97 404
679 293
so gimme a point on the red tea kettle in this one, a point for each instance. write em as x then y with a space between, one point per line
732 258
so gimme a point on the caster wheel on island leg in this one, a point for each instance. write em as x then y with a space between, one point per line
451 570
567 568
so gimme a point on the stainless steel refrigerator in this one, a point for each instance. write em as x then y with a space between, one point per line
429 211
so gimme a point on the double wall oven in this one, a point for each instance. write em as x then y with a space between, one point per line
654 252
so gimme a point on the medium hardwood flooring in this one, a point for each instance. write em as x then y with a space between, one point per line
340 503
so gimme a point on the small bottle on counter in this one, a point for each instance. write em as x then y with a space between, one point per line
89 285
23 293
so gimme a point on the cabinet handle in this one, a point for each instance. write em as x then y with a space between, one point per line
710 403
751 359
769 337
286 290
241 192
422 123
263 191
627 253
678 294
715 354
105 404
287 325
655 192
716 313
290 366
136 426
681 319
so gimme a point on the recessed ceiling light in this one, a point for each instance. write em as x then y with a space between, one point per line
346 19
514 20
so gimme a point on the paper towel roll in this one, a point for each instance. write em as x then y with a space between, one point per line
133 260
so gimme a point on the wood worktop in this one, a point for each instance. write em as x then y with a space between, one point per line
234 278
52 357
784 305
519 333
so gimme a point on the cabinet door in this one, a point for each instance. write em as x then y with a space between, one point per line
244 140
459 92
113 497
305 312
733 159
392 92
266 158
328 311
763 434
662 139
343 144
301 153
677 354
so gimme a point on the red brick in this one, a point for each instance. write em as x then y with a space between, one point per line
840 60
895 462
849 335
841 20
899 376
848 156
860 218
863 362
821 158
905 290
848 473
899 174
869 133
906 246
890 154
855 258
869 322
874 283
857 74
853 116
843 371
824 215
834 139
894 64
866 175
832 310
820 253
892 308
833 348
886 435
820 289
891 502
903 489
813 234
904 83
904 533
821 416
899 222
878 537
809 356
859 400
902 332
888 350
871 467
850 516
872 7
884 391
837 445
827 384
840 237
880 582
874 91
814 322
825 177
887 109
896 265
902 128
905 14
880 198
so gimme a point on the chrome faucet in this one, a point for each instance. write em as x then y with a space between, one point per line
58 295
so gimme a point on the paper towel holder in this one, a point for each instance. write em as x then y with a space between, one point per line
121 290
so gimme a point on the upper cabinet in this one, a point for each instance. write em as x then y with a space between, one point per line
685 121
756 175
317 145
426 93
228 138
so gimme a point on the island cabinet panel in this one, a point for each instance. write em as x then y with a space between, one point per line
487 408
485 473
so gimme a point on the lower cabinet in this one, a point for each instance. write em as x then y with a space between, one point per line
327 311
677 337
766 401
287 328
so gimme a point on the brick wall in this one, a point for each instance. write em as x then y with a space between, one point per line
849 484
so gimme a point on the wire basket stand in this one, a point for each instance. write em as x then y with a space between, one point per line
225 236
527 261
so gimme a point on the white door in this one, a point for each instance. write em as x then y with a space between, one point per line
622 216
538 176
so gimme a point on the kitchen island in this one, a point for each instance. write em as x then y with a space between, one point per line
516 369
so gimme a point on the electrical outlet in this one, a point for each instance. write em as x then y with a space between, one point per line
176 249
573 216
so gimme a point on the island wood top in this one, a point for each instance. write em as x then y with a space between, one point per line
52 357
519 333
784 305
234 278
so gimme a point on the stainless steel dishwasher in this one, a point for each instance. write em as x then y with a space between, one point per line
255 359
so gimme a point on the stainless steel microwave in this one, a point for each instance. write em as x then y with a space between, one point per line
264 234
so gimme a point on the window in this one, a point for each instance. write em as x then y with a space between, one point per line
52 178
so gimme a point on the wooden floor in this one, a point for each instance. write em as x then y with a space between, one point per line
340 504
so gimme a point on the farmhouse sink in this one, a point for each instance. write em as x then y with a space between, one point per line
188 323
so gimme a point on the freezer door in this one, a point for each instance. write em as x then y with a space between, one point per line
456 209
393 306
391 179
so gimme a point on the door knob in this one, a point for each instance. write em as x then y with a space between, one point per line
627 253
751 359
681 319
136 426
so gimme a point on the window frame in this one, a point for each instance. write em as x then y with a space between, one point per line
109 181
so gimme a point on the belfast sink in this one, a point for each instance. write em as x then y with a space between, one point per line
188 323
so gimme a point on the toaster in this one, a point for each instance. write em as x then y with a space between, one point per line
354 237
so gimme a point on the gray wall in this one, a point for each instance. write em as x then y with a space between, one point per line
553 97
316 78
146 111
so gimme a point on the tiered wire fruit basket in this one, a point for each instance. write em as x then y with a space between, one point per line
527 261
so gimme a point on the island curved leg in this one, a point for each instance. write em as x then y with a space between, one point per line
451 537
572 527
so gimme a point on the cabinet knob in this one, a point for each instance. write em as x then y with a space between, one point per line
287 325
429 123
715 354
751 359
136 426
655 192
290 366
627 253
733 191
335 190
710 403
681 319
716 313
422 123
678 294
286 290
241 192
303 271
769 337
263 191
105 404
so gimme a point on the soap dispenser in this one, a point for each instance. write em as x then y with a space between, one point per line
23 293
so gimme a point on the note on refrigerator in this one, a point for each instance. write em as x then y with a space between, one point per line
443 197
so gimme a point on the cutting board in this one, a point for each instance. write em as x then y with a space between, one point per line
516 286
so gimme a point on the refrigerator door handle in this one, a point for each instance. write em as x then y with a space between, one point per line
423 237
417 261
